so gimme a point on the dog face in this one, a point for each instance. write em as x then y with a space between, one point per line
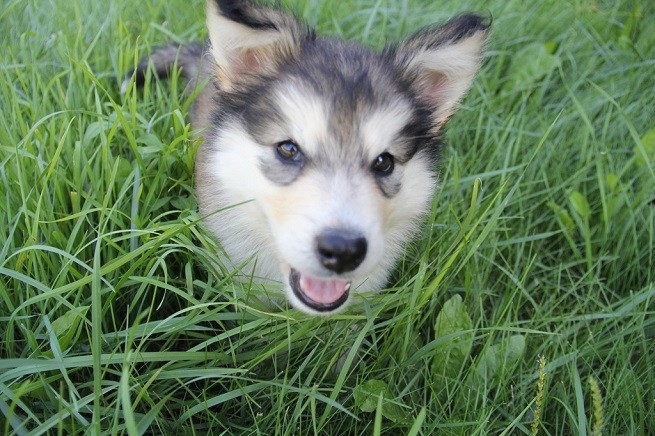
327 149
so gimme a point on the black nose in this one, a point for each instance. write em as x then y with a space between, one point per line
341 250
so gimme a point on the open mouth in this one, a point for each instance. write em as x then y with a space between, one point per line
322 295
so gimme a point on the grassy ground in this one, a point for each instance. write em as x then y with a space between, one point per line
526 307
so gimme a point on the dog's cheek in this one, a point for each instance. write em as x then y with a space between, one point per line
233 164
403 212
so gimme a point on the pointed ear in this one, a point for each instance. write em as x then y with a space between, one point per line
442 61
248 40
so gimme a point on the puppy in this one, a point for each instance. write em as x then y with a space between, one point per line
319 155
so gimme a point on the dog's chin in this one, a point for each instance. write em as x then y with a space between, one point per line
322 296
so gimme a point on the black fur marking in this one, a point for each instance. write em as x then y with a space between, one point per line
139 76
240 12
468 24
456 29
256 108
417 135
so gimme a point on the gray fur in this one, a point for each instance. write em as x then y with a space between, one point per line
163 60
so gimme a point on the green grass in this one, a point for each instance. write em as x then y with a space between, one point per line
116 318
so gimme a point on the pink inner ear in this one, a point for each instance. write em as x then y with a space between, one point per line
435 84
245 62
438 92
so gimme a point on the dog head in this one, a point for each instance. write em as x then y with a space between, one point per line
328 148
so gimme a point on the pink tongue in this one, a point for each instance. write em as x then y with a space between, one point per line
323 291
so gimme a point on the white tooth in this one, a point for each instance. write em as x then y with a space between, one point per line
348 287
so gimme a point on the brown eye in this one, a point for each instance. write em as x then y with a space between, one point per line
288 151
383 165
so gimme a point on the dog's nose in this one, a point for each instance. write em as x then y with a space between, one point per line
341 250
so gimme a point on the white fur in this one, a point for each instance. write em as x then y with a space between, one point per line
382 126
307 118
287 219
242 225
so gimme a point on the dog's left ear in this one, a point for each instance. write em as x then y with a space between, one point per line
442 61
248 40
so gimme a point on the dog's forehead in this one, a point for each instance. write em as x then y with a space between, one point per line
346 99
348 76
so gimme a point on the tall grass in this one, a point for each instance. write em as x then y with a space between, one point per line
116 316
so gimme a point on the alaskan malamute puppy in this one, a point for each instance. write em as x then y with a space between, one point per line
319 155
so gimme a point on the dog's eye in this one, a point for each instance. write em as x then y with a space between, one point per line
288 151
383 165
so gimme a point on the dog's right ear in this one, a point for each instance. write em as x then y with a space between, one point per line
441 61
248 40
